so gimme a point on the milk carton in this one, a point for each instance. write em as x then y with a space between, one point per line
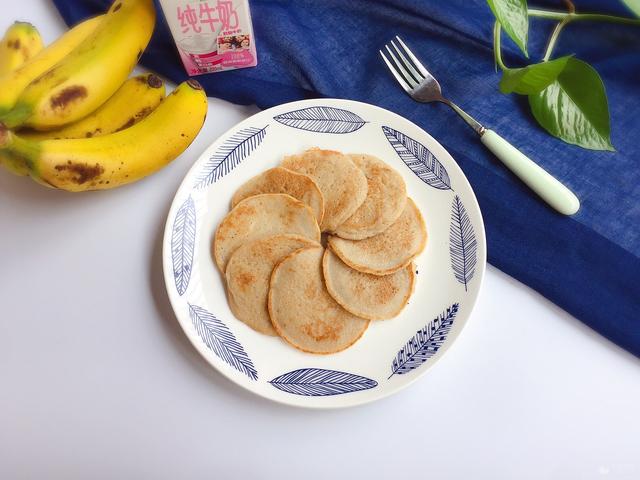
212 35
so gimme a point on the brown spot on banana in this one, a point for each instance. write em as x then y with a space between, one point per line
144 112
15 44
137 117
154 81
79 172
129 123
116 7
97 131
67 96
194 84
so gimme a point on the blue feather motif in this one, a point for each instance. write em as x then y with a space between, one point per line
425 343
183 239
322 120
235 149
463 245
217 336
419 159
318 382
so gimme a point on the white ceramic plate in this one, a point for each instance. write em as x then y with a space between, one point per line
392 353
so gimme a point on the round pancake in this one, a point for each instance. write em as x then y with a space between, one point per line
261 216
386 197
388 251
343 185
281 180
302 311
375 297
248 274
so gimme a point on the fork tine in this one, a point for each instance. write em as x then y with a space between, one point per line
407 63
399 78
400 68
413 58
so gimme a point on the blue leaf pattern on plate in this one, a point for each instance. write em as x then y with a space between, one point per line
425 343
183 239
322 120
217 336
235 149
463 245
419 159
318 382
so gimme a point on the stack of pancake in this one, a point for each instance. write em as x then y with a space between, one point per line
280 278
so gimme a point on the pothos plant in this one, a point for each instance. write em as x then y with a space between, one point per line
566 95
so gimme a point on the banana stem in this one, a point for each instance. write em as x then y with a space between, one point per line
16 147
16 116
16 160
4 135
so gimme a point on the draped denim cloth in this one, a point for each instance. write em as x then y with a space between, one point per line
588 264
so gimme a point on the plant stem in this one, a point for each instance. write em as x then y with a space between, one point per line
575 17
554 38
496 45
570 6
564 18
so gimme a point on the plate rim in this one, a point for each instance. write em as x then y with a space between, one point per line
298 401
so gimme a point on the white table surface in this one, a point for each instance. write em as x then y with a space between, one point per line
98 381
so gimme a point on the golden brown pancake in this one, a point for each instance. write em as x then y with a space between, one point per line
388 251
386 197
281 180
248 274
261 216
376 297
343 185
302 311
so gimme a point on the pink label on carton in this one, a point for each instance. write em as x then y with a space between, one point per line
212 35
237 60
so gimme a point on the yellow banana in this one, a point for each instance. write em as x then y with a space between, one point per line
21 43
112 160
136 98
91 73
12 84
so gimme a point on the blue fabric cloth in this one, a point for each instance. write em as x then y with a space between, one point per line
588 264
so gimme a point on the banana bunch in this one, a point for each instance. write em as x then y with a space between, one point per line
71 118
133 101
21 43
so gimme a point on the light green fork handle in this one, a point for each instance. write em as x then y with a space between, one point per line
538 179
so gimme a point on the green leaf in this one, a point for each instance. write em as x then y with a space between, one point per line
512 15
574 107
634 6
532 78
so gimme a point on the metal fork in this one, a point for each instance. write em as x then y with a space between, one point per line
416 80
